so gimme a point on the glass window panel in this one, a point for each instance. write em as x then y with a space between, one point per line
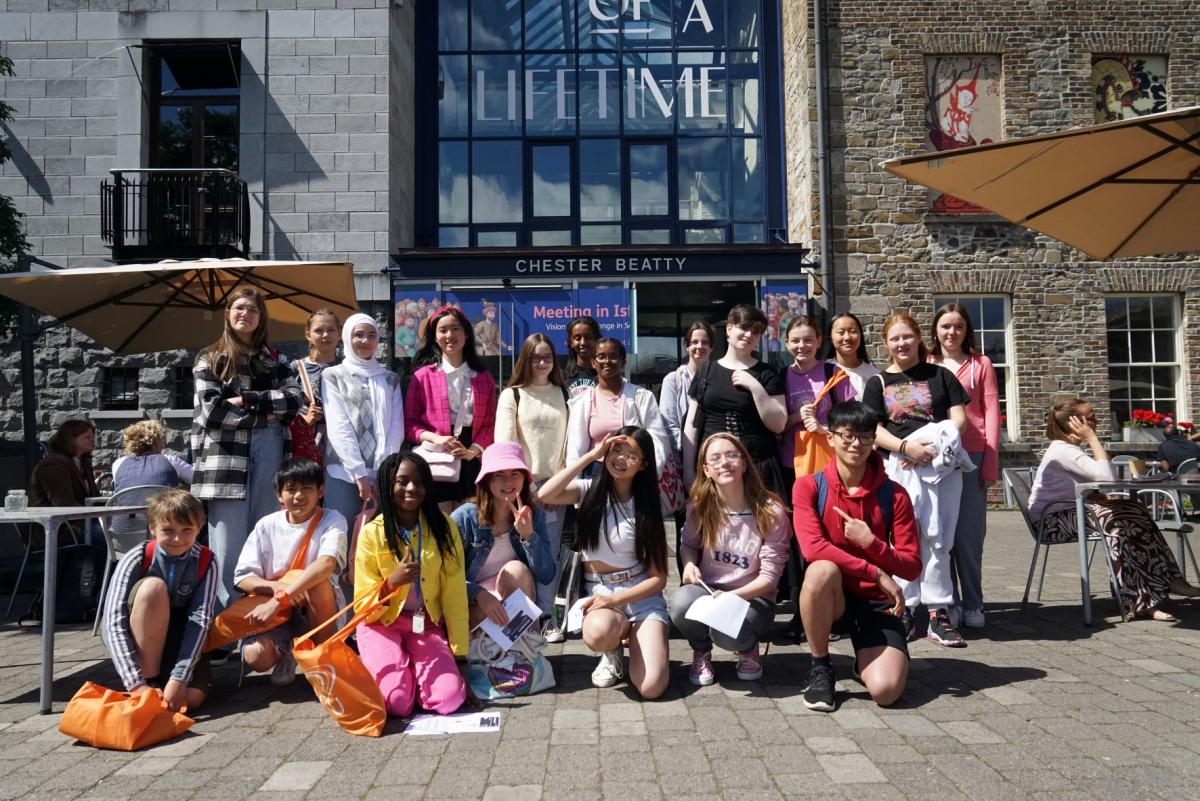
496 239
551 184
993 346
1165 407
648 81
221 121
1140 347
600 180
992 313
496 185
1118 347
1164 346
700 23
196 70
1141 383
453 238
599 93
453 186
1164 312
1164 382
748 202
646 23
648 190
704 236
703 178
1140 312
549 94
550 238
1118 383
745 24
221 153
174 136
744 92
549 25
496 89
1115 313
496 25
650 236
750 233
599 23
452 24
702 92
453 94
600 235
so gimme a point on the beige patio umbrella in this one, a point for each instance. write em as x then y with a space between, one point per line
139 308
1128 188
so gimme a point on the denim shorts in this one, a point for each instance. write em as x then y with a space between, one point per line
652 608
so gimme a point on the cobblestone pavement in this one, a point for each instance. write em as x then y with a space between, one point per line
1037 707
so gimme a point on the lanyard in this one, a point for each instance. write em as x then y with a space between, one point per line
408 539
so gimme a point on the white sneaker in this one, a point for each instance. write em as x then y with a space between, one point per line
973 618
284 672
609 670
553 633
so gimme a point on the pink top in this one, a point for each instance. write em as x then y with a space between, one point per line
801 389
501 554
982 431
427 405
741 553
607 415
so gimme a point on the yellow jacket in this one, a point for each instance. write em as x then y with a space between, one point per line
443 584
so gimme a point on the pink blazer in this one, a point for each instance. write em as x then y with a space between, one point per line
427 406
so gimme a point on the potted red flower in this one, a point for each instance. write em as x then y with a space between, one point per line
1144 425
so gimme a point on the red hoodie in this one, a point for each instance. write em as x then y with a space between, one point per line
824 538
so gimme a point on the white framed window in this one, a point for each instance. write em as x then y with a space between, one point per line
1143 355
992 320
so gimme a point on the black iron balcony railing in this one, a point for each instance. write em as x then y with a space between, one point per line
151 214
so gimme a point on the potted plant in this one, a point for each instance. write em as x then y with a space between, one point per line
1144 425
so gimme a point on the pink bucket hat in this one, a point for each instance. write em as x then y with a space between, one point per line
500 456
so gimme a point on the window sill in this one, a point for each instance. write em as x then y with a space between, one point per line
966 218
176 414
118 414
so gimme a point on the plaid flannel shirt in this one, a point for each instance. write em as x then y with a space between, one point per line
221 431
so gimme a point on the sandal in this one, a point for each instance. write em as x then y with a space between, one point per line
1160 615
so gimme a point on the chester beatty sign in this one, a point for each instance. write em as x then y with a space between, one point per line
599 262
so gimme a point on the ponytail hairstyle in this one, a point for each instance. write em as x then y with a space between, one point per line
438 523
324 311
229 356
650 539
431 353
710 515
904 318
968 345
861 352
1058 421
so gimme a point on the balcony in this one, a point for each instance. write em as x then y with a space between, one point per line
152 214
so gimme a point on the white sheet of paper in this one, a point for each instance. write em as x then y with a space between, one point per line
575 613
725 612
459 723
522 613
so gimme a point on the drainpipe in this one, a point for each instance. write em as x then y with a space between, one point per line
824 182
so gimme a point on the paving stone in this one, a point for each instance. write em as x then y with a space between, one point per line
522 792
850 768
296 776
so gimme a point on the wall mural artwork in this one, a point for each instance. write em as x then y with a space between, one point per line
1128 86
962 108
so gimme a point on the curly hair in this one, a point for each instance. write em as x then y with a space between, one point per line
141 437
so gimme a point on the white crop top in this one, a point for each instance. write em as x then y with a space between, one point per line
616 546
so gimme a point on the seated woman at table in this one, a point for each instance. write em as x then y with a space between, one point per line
64 477
1146 570
144 463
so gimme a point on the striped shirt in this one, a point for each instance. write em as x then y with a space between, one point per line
197 597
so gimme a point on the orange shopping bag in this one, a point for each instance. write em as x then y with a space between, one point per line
344 686
812 451
231 625
106 718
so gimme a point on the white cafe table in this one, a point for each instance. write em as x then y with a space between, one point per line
50 518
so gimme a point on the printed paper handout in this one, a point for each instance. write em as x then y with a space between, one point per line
725 612
522 613
575 613
458 723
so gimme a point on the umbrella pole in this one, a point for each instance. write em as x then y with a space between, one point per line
28 331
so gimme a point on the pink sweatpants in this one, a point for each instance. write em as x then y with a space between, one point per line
404 664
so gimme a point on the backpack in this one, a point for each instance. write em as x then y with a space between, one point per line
148 549
77 595
885 495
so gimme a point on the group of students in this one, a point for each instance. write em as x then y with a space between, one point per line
459 494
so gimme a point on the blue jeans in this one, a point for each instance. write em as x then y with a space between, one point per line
230 520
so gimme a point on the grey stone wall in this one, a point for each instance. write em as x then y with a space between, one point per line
893 254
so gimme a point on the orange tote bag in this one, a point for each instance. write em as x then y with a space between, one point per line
812 451
231 625
105 718
343 684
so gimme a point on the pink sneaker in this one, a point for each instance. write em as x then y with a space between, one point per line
702 673
749 665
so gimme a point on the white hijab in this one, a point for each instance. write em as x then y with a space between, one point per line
355 364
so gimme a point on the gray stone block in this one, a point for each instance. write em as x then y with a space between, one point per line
356 47
77 87
329 221
52 26
335 23
16 28
50 106
315 84
355 201
356 123
329 65
315 201
370 23
315 47
291 24
328 104
69 126
314 123
96 24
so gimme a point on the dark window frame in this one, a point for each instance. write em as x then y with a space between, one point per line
128 399
198 103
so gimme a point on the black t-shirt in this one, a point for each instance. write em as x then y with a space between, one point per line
1177 450
909 400
577 377
731 409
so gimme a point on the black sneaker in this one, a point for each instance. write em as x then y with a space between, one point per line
941 632
819 695
910 625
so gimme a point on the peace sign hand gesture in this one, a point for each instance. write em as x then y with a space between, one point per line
857 531
522 518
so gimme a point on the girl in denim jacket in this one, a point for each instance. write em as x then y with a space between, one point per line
504 535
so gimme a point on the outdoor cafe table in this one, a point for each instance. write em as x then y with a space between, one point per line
1131 486
50 518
